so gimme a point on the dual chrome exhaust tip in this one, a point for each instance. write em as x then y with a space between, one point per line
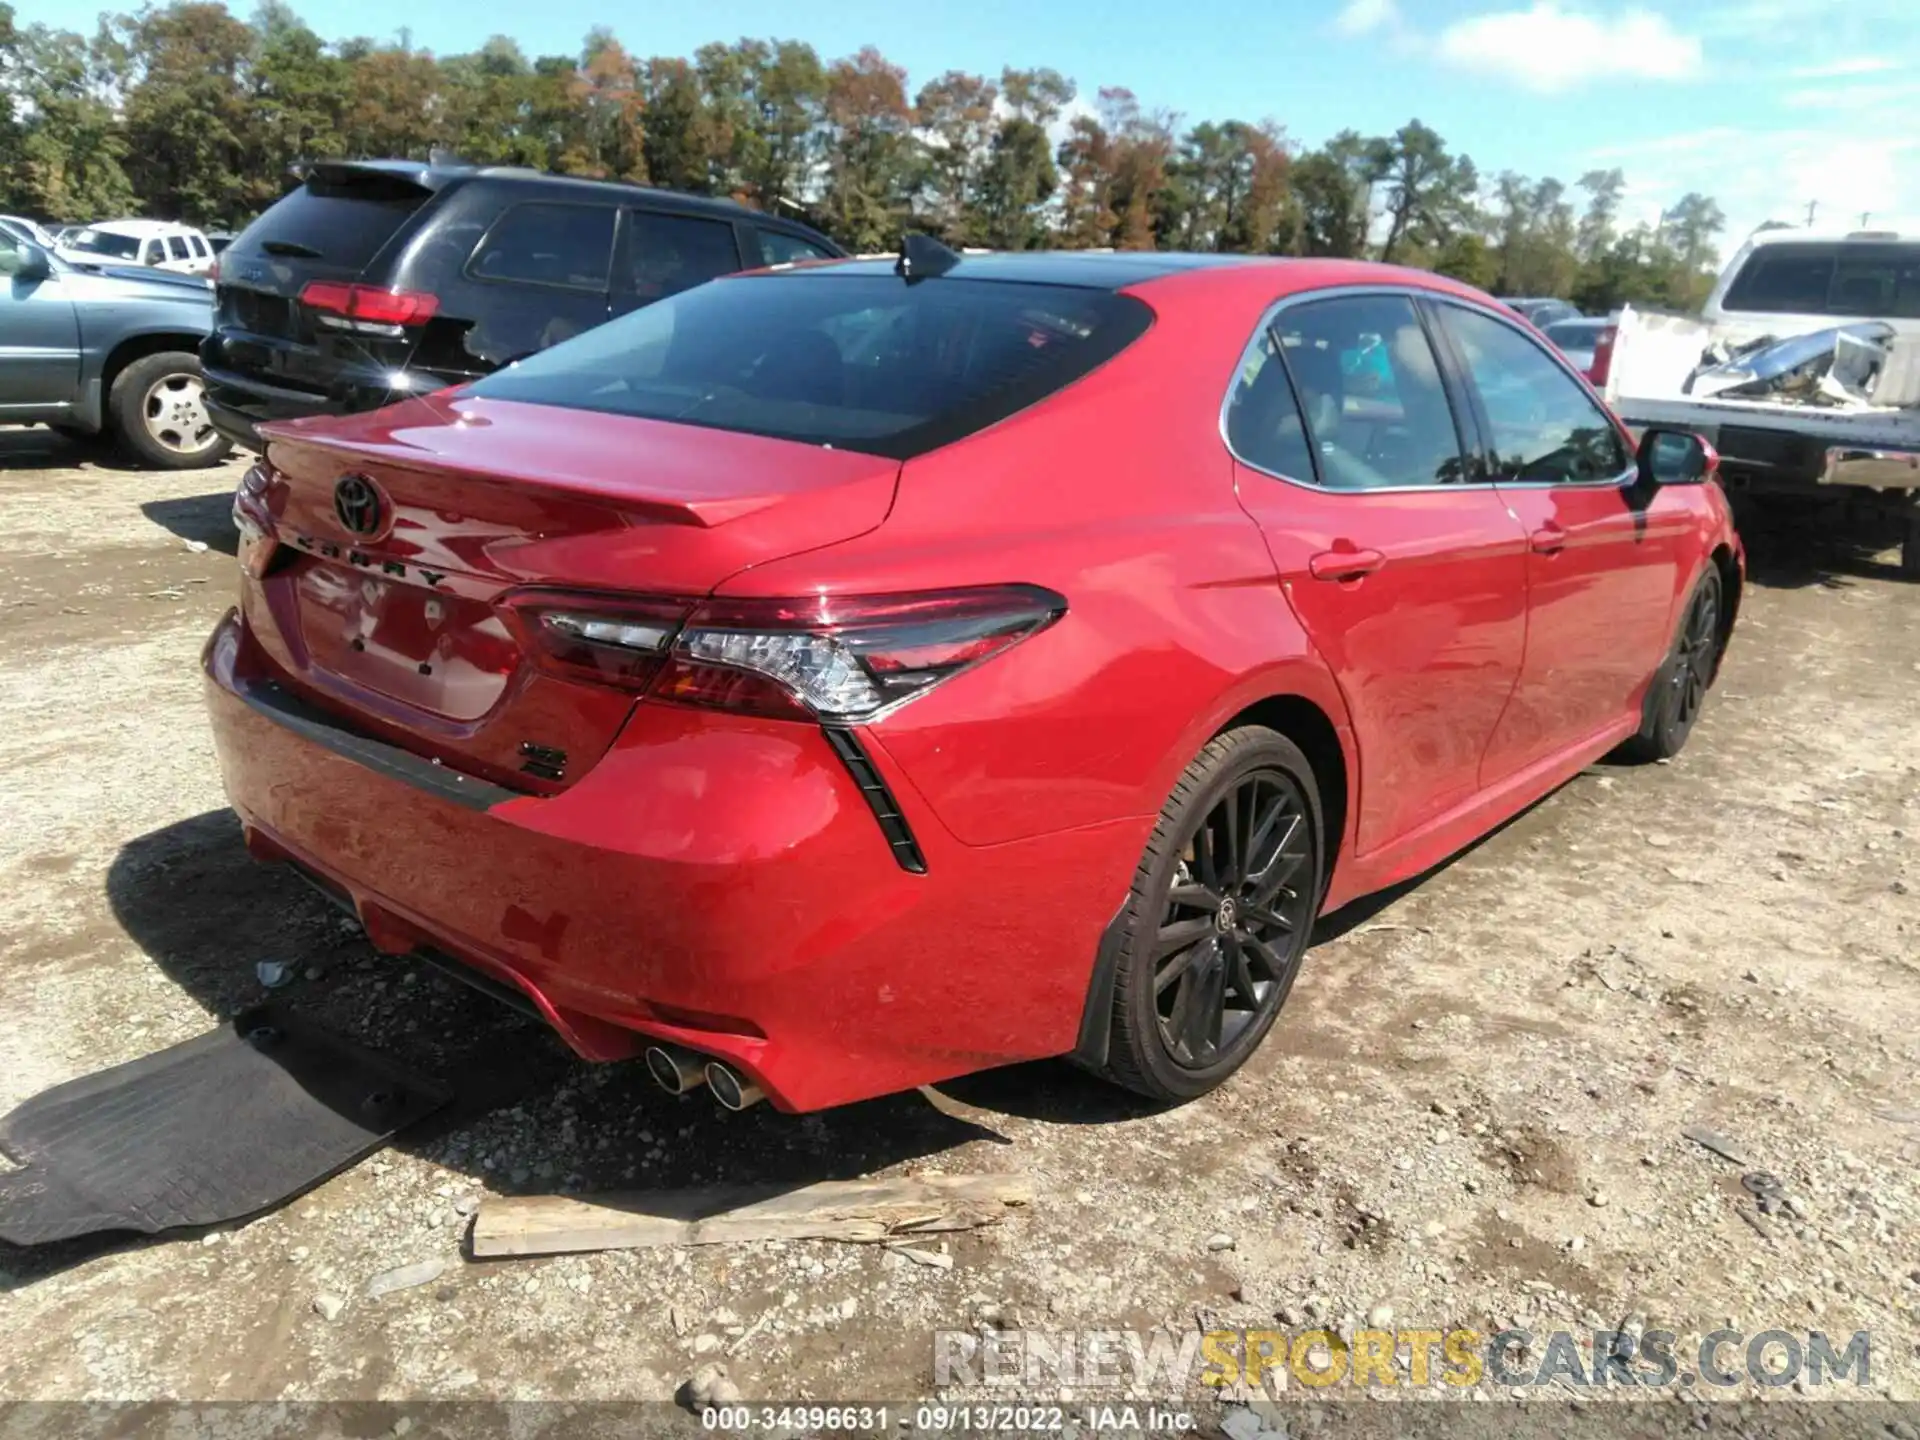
680 1072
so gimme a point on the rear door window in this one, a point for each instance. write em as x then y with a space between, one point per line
177 248
671 253
198 246
1370 388
1545 427
778 248
863 362
1264 424
542 244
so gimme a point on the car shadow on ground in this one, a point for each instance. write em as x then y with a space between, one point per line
204 519
34 447
528 1117
1795 550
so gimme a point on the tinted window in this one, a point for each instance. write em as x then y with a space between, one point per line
198 245
862 362
342 221
1882 282
177 247
1790 278
1370 388
1263 416
565 245
1545 425
671 253
777 248
100 242
1580 334
154 254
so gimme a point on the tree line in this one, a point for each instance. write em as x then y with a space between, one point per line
186 112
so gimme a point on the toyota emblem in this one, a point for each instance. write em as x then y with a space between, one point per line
356 500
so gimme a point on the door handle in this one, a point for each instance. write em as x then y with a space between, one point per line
1344 564
1549 539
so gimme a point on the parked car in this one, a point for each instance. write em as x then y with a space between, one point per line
157 243
374 280
21 228
1540 312
92 350
1587 343
1790 456
846 680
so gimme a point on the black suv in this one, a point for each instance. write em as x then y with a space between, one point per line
379 279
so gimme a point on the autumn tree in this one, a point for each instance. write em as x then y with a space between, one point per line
869 150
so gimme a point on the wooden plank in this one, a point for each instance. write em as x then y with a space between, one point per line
862 1211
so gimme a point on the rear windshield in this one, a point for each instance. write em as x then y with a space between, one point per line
341 222
1855 279
861 362
101 242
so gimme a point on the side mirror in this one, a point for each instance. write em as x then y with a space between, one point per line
21 261
1675 457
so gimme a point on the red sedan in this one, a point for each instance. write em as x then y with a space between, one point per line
845 677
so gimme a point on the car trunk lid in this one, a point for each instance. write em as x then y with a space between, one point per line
385 609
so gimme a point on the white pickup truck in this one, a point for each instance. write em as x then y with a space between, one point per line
1804 442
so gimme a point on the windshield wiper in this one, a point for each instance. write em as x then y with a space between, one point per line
292 249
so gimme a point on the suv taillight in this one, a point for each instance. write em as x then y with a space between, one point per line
831 658
1602 357
355 306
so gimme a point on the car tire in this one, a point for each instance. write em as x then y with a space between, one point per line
1218 918
157 413
1910 550
1679 688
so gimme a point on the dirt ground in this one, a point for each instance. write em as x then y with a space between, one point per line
1471 1113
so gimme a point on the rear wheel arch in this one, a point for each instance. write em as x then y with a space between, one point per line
1306 723
1312 729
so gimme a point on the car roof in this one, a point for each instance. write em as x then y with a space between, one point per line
1083 269
139 229
1832 237
430 176
1253 279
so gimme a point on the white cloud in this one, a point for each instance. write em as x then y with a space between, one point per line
1548 49
1363 17
1839 69
1757 176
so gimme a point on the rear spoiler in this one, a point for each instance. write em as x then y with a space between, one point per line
419 173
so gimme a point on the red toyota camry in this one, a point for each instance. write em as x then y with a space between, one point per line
843 677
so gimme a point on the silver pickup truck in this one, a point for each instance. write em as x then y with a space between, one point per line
111 350
1818 401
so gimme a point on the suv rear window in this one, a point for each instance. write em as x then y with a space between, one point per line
862 362
339 220
1853 279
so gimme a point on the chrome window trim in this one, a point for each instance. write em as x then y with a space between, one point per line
1415 294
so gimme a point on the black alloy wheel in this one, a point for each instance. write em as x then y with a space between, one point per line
1224 955
1679 691
1219 918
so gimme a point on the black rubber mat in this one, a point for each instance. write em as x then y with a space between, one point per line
212 1130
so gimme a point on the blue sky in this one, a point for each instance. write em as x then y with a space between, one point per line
1765 104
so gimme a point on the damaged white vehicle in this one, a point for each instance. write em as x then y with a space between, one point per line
1804 372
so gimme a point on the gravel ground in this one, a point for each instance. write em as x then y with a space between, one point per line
1471 1114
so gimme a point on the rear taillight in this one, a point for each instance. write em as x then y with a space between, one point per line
831 658
607 640
845 658
367 306
1602 357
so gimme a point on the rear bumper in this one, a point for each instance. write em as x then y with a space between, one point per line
240 400
715 881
